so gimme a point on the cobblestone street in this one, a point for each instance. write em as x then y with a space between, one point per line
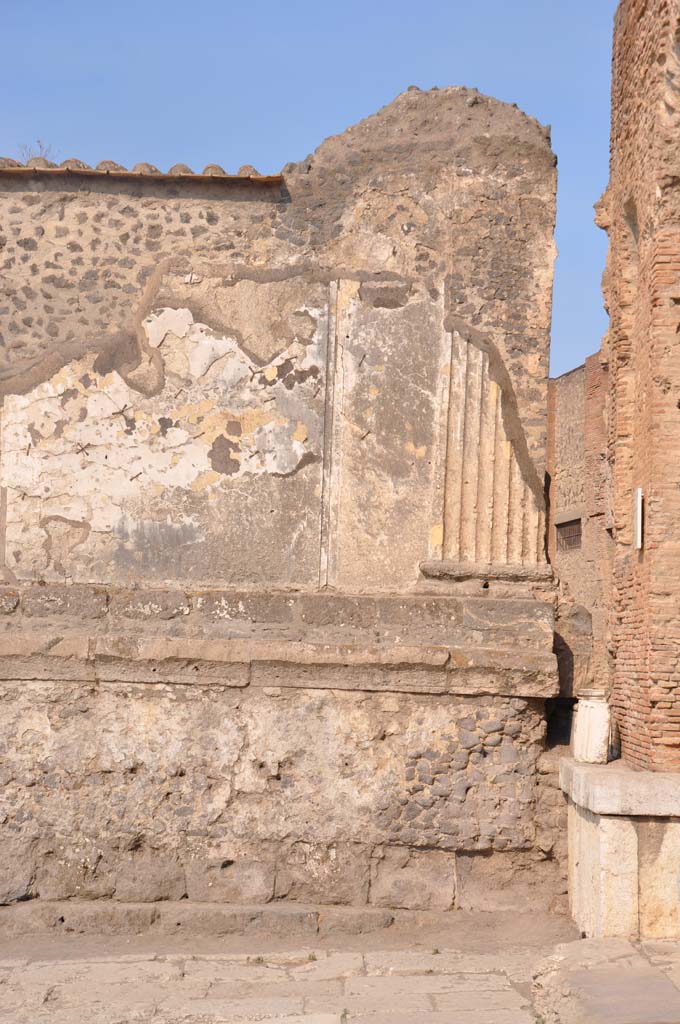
461 968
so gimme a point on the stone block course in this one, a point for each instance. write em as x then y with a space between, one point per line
198 755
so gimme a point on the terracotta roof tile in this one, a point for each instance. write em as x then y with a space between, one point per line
145 169
40 161
75 165
109 168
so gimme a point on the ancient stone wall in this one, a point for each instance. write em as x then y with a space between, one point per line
566 462
577 466
640 211
277 620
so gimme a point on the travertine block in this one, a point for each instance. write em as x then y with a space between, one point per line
623 863
659 877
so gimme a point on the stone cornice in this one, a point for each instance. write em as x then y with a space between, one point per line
239 663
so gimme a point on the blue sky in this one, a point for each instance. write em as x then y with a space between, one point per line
264 83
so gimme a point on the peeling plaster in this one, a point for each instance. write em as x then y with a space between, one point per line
220 416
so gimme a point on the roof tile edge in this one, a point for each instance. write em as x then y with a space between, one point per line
15 169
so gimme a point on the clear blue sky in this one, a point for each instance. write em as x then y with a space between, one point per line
264 82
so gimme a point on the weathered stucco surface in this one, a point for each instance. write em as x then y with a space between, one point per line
150 470
276 367
239 419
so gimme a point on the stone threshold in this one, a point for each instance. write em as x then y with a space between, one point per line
240 663
108 917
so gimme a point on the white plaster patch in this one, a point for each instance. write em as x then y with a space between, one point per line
207 348
90 449
159 324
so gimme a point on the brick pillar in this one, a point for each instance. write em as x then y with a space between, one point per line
641 212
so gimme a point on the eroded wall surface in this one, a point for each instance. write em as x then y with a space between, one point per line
277 619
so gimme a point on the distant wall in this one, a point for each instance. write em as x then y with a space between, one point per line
567 443
578 471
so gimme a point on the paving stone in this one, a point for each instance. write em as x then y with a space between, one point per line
331 988
128 1016
403 1018
395 986
236 1009
445 1017
314 1018
479 1001
335 965
229 971
666 956
605 981
135 996
371 1002
401 961
638 995
389 978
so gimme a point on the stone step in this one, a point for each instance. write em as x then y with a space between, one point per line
108 917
